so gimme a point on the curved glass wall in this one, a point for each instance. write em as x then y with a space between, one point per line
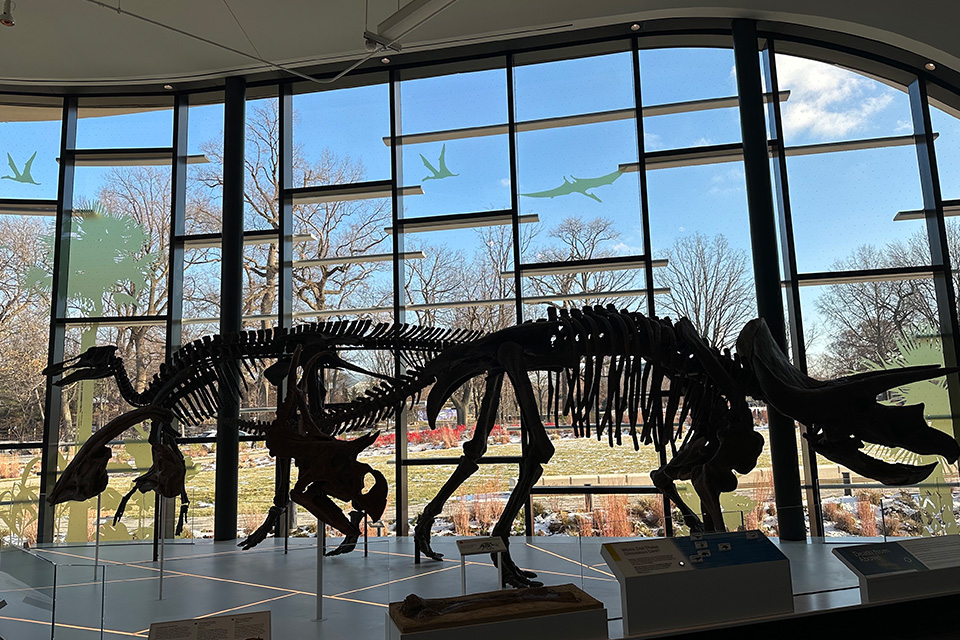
474 195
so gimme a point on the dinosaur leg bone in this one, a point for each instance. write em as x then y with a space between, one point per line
473 450
539 451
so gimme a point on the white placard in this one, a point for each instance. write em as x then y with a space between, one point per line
648 557
473 546
939 552
247 626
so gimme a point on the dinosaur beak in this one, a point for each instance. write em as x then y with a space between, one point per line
81 373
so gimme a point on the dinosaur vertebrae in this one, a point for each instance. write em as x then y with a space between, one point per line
638 356
188 381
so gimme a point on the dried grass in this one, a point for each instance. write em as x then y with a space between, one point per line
10 467
612 519
868 522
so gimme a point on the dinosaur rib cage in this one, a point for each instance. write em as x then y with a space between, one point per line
188 382
618 364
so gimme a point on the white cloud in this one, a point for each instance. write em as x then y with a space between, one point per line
826 100
504 182
652 141
904 126
727 182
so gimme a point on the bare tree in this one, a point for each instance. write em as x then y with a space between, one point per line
709 284
576 238
339 229
865 319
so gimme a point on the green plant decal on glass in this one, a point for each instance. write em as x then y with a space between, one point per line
936 498
17 176
577 185
19 515
106 257
443 172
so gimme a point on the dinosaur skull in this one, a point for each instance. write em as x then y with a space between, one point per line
92 364
844 412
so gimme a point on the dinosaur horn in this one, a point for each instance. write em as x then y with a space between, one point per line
876 382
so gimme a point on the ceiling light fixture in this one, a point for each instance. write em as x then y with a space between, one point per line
635 27
6 18
930 66
385 60
168 87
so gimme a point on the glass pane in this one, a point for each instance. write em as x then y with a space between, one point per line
339 136
261 168
119 242
457 176
842 202
947 129
32 150
459 268
355 231
121 127
205 180
26 251
460 171
685 74
828 103
454 101
570 178
670 76
576 86
19 497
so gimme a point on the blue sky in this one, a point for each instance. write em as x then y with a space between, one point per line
839 200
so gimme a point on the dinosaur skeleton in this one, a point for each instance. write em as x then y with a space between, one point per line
621 365
187 388
616 365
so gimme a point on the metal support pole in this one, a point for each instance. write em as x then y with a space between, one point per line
96 548
58 309
763 239
321 549
402 508
163 507
231 285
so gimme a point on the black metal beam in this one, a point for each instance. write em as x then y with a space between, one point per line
231 286
178 206
937 238
789 253
285 297
763 240
58 308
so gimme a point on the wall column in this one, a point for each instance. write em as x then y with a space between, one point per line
766 269
231 287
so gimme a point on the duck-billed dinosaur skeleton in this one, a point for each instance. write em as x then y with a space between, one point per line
626 369
187 388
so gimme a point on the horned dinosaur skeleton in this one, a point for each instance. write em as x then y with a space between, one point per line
187 388
619 364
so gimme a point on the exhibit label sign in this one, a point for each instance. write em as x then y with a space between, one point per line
737 576
247 626
473 546
906 568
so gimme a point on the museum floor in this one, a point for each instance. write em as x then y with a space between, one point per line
205 579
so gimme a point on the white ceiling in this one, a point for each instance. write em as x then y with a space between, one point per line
78 42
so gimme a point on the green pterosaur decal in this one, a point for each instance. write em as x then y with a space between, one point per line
24 177
443 172
577 185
